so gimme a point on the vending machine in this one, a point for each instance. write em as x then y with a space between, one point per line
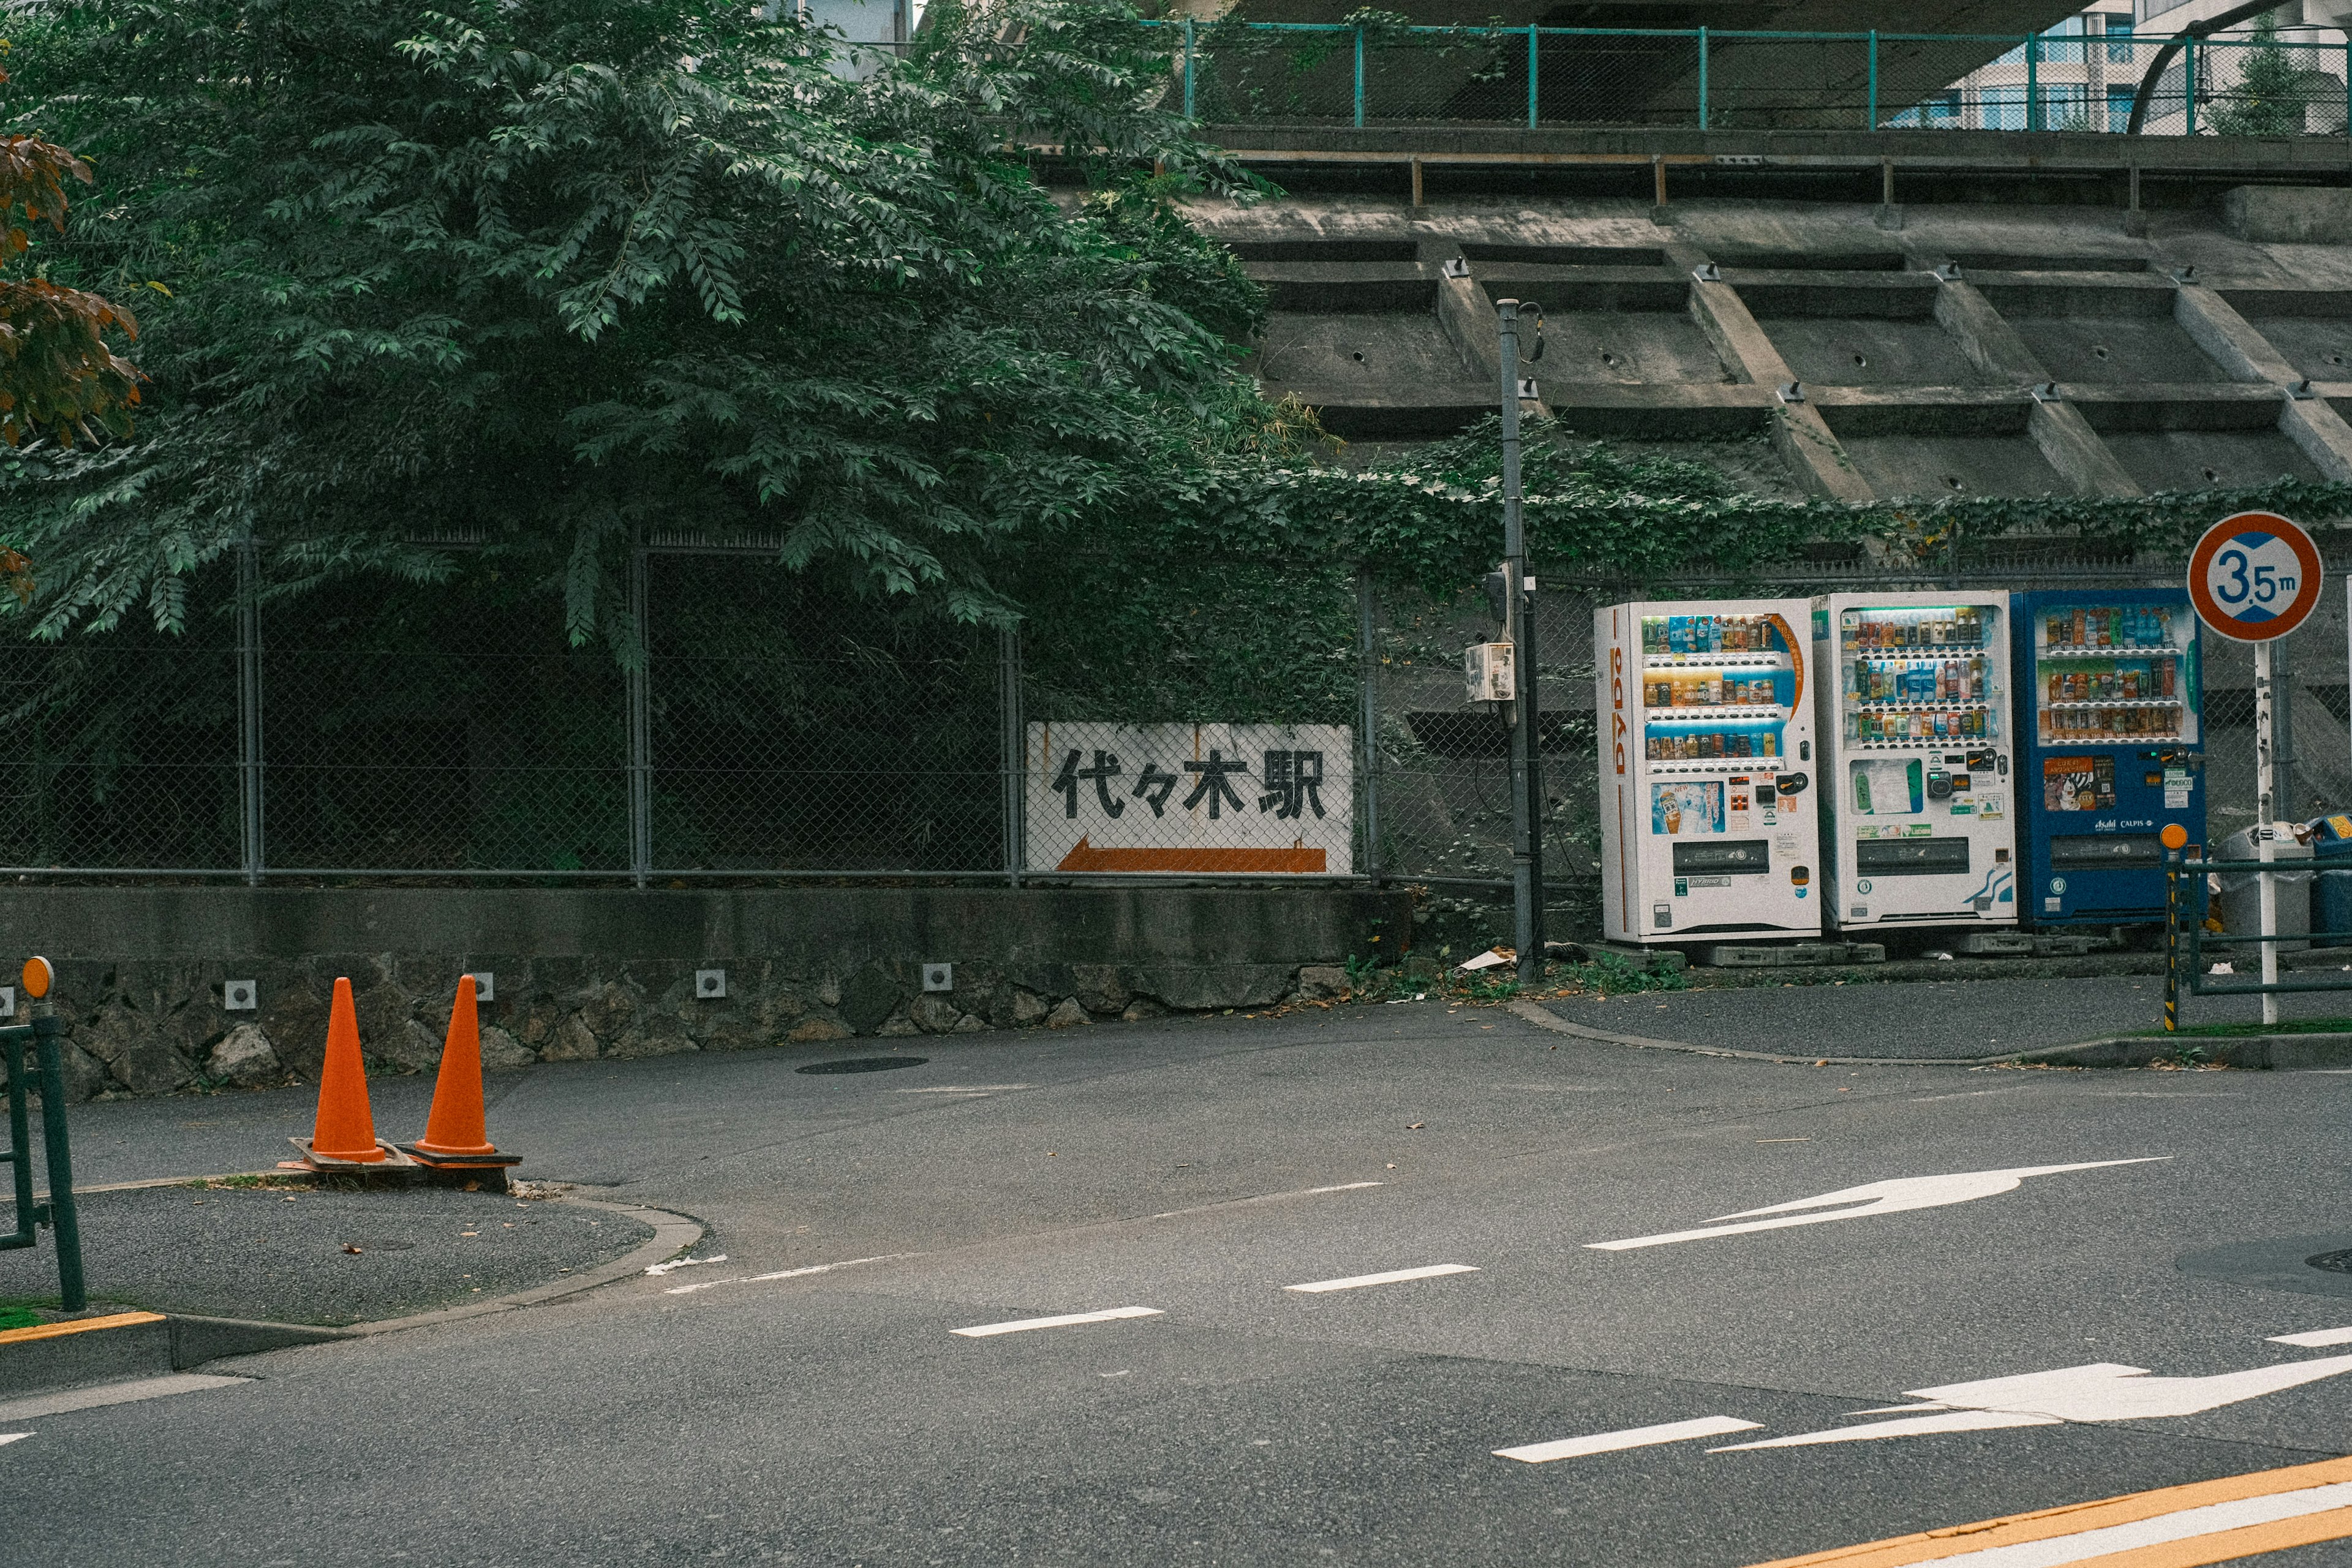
2110 719
1917 827
1707 829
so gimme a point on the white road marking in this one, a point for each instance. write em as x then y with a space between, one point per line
675 1264
1262 1198
1394 1277
1968 1094
1630 1437
1878 1197
1067 1319
2186 1525
2316 1336
2102 1390
965 1089
9 1437
131 1393
780 1274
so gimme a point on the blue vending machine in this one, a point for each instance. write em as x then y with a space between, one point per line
2108 725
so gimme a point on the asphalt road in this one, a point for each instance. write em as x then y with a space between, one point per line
831 1413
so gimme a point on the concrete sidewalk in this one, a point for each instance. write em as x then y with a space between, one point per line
302 1254
1944 1020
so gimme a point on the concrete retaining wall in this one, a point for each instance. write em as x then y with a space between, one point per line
596 973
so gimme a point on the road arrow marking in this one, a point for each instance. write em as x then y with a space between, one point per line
2314 1338
2175 1527
7 1438
1394 1277
2102 1390
1630 1437
1895 1196
1021 1324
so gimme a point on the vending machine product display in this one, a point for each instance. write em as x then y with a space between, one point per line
1917 826
1706 755
2110 719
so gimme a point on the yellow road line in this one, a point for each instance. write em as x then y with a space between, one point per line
78 1326
2050 1524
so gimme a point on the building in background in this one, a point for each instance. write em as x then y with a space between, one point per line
2279 74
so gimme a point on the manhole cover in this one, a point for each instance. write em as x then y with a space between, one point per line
363 1245
865 1064
2334 1262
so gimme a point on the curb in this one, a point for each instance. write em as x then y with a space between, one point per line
673 1234
2278 1053
2271 1053
1543 1017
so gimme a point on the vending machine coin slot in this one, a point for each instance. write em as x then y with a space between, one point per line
1939 785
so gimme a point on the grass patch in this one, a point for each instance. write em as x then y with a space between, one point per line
18 1317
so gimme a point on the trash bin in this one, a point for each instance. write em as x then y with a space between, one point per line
2331 840
2241 893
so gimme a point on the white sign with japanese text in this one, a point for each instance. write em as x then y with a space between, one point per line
1249 799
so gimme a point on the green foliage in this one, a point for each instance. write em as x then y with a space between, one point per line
1610 974
2270 93
553 272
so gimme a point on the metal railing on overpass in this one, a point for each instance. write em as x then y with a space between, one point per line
1374 72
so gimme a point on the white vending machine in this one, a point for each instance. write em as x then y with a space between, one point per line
1706 755
1917 827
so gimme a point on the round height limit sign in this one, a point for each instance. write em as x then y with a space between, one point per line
2255 578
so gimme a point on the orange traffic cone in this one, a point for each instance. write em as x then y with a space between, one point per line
344 1133
456 1137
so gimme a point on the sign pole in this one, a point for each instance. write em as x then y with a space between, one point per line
1526 890
2265 801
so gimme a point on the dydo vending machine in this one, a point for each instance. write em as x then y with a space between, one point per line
1918 820
1706 755
2109 751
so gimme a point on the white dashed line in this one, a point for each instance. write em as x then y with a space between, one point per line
1020 1325
112 1393
1344 1188
1630 1437
966 1089
1394 1277
2314 1337
780 1274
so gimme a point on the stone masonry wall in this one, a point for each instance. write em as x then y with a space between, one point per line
142 986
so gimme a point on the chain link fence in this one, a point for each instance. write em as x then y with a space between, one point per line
1231 73
773 730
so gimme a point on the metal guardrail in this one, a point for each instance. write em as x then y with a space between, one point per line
2188 950
1711 78
46 1070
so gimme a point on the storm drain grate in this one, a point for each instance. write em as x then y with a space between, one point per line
865 1064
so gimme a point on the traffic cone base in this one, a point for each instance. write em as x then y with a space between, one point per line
383 1157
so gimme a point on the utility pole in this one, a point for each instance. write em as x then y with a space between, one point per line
1521 714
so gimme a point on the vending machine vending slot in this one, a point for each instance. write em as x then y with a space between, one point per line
1911 856
1739 857
2105 852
